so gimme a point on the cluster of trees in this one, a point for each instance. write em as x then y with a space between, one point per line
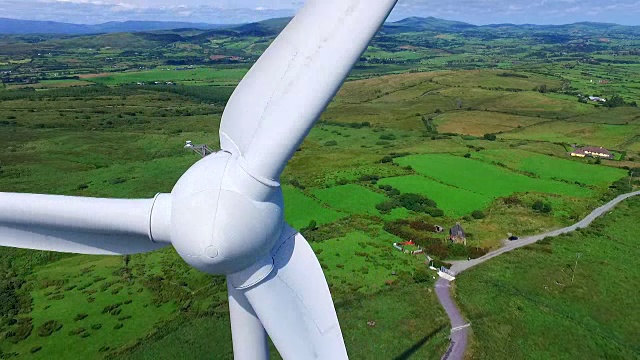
413 202
542 207
617 101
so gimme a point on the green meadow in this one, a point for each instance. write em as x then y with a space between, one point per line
188 76
301 209
456 202
547 167
352 199
485 179
538 302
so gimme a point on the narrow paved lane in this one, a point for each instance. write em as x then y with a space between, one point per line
459 327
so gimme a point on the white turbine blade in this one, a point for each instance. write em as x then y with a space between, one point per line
284 93
78 225
295 306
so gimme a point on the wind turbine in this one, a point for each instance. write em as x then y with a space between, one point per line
225 214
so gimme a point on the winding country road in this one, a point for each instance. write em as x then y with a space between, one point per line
459 327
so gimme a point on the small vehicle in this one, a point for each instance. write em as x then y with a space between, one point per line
513 238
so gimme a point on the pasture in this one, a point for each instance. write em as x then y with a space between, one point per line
352 199
301 209
91 284
536 303
485 179
187 76
455 202
553 168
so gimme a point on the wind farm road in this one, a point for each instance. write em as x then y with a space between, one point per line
459 326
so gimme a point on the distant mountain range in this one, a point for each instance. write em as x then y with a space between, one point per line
263 28
15 27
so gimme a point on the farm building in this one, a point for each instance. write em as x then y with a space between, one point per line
457 234
592 151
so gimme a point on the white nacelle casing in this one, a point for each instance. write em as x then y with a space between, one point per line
225 221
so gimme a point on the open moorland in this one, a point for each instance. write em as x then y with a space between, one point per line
439 124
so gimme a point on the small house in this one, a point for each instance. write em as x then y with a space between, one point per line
457 235
592 151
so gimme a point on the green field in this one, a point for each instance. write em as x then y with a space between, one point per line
483 178
535 303
195 76
301 209
455 202
91 284
352 199
548 167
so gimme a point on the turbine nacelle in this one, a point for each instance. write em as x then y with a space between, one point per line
223 220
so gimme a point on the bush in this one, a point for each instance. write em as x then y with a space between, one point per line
118 326
467 155
331 143
80 317
386 159
77 331
490 137
422 274
478 215
35 349
49 328
477 252
435 212
96 326
388 137
22 332
541 207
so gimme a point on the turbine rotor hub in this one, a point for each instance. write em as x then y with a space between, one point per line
224 220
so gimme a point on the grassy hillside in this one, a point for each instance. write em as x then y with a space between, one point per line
537 303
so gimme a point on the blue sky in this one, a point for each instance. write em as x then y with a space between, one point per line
236 11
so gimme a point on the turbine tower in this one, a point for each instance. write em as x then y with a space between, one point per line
225 214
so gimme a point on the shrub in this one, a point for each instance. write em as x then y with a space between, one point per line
96 326
49 328
118 326
331 143
477 252
435 212
421 274
478 215
490 137
35 349
22 332
467 155
80 317
77 331
386 159
387 137
541 207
